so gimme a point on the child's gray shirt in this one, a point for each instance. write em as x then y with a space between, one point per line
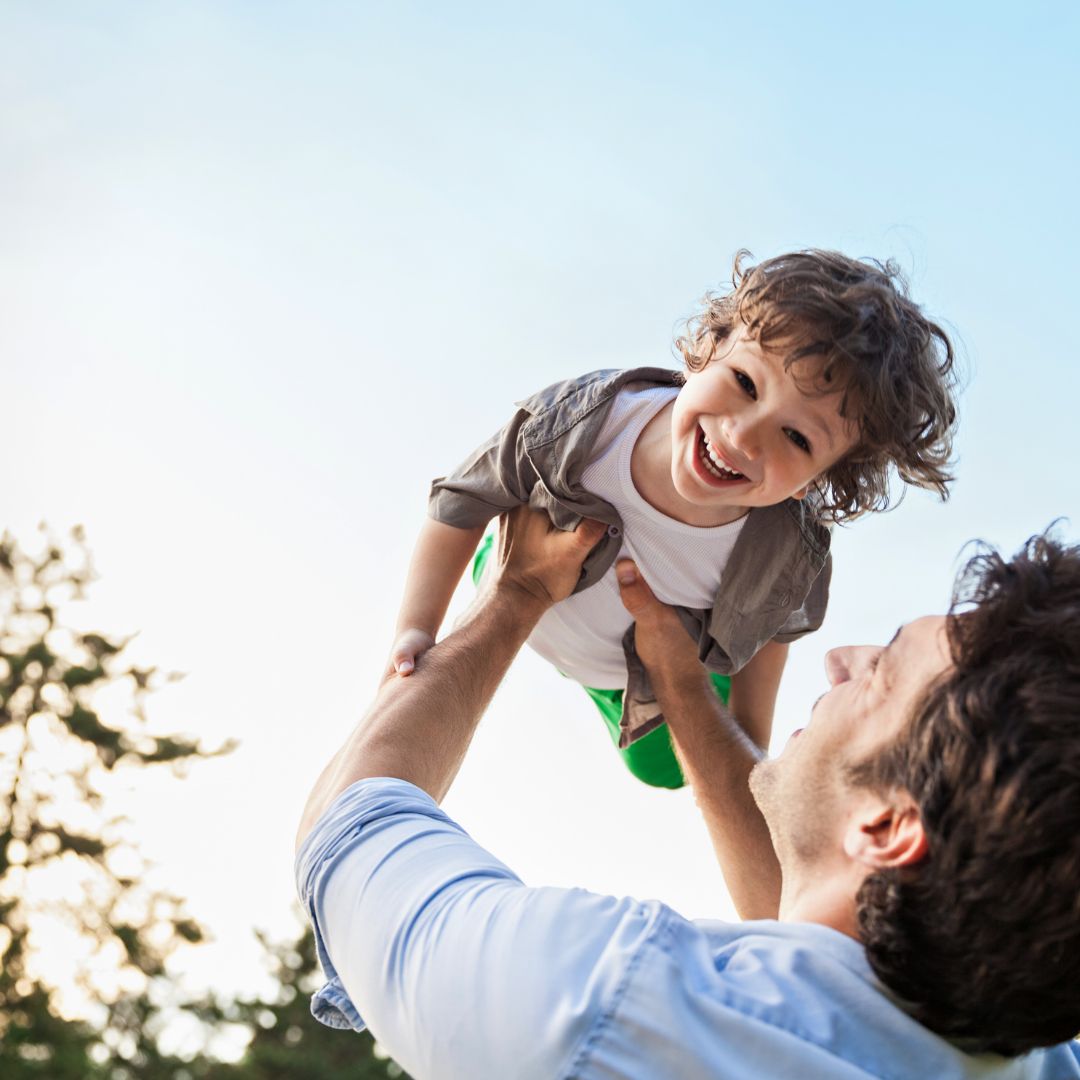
776 583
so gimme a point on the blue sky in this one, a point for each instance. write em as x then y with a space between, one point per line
266 268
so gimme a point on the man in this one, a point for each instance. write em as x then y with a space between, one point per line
925 826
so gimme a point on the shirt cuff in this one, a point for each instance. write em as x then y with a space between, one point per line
335 834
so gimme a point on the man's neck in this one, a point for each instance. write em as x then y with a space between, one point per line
823 895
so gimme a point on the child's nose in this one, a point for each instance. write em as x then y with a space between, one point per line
742 433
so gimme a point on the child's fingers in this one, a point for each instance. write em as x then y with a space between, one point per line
403 660
407 648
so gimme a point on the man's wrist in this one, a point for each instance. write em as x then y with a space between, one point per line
678 670
527 606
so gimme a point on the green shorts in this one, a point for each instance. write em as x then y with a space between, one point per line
651 758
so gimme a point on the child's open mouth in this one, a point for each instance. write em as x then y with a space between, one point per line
712 464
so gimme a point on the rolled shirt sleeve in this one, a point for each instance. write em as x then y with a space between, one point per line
458 968
463 972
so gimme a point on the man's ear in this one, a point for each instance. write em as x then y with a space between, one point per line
887 835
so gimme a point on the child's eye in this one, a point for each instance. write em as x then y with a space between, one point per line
798 439
746 383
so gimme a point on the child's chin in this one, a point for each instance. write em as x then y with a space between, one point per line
695 493
711 500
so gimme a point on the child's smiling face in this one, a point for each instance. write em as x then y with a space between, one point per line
743 433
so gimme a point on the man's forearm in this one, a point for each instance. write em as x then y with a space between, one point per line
716 757
419 727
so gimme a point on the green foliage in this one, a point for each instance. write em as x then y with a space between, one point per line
287 1044
53 815
38 1045
55 750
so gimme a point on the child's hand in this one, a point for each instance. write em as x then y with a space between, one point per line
408 647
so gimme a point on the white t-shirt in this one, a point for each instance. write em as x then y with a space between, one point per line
582 635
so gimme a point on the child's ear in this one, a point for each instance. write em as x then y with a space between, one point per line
806 488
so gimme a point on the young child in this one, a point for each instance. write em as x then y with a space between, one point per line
804 385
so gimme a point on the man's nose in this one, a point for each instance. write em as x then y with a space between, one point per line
848 662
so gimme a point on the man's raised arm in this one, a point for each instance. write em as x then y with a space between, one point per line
715 753
419 727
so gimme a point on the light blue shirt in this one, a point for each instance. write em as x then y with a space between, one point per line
461 971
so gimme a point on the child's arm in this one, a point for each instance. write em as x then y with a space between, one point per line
441 555
753 692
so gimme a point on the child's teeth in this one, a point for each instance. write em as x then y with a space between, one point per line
719 464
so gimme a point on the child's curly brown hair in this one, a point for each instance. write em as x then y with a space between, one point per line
893 366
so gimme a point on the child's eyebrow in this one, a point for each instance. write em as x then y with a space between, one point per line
821 427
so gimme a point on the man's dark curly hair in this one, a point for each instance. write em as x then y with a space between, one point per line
982 938
893 367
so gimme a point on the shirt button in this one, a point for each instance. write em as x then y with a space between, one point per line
614 530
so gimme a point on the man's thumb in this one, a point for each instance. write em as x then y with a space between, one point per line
636 594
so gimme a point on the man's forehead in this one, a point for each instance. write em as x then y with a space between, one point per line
888 660
919 647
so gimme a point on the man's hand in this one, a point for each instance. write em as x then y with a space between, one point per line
716 754
538 561
419 728
670 653
661 640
